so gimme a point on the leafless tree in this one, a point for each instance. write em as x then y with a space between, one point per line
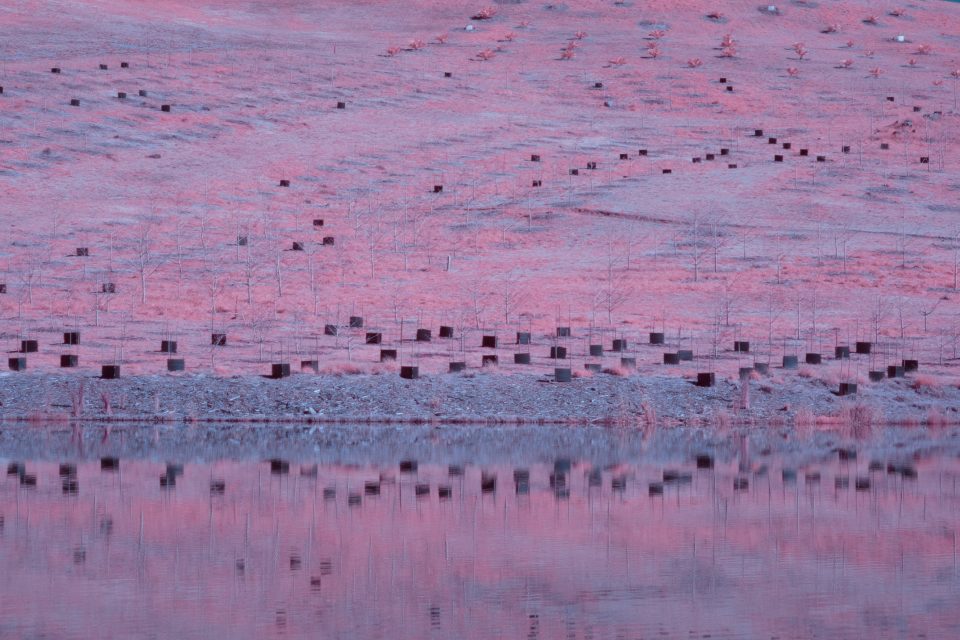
146 261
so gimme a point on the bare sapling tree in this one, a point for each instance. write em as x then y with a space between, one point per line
250 265
615 289
146 261
774 309
509 294
260 321
373 232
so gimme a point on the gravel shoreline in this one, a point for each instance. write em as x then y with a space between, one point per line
472 398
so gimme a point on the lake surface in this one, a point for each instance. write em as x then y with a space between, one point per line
134 548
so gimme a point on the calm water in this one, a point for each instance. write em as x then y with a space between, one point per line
249 549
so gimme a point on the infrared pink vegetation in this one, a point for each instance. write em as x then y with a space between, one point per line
407 133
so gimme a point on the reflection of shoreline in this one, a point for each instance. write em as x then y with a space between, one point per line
457 444
275 550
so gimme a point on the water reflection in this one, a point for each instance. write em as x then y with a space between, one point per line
702 549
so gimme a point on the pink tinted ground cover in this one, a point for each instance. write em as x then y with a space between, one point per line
795 256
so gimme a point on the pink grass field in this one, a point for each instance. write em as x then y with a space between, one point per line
795 256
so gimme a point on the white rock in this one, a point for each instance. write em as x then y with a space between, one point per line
469 27
772 8
901 38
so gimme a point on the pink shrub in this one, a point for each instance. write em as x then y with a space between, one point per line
341 369
485 14
617 371
649 414
723 419
926 384
693 63
935 418
859 415
804 418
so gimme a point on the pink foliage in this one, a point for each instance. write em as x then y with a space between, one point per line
693 63
485 14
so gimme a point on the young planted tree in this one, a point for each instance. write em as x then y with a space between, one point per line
146 261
